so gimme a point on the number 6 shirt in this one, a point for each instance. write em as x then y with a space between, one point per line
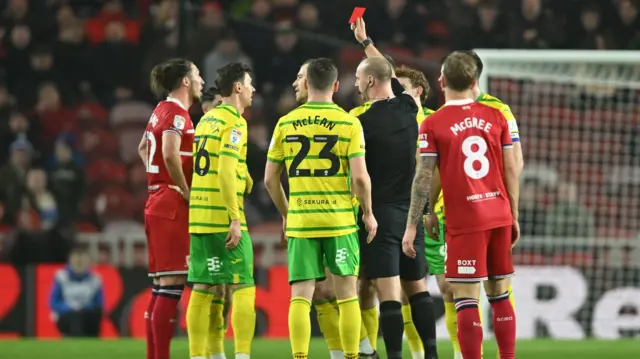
315 142
468 138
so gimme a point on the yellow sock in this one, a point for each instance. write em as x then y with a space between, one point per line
328 320
370 319
350 327
299 327
198 322
243 318
363 329
451 319
215 341
415 343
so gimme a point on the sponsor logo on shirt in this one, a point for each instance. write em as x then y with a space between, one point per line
179 122
423 140
235 136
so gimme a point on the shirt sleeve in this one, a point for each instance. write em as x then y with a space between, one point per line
175 122
356 141
276 151
505 135
511 121
426 141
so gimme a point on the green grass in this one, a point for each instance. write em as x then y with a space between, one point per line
279 349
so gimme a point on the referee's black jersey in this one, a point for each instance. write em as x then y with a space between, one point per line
391 133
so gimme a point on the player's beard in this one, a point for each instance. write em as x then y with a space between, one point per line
300 98
195 94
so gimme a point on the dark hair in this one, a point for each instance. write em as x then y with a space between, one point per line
210 94
322 73
459 70
166 76
389 60
417 78
476 58
228 75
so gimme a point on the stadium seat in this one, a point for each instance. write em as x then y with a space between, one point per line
98 143
130 111
105 171
114 203
128 140
91 115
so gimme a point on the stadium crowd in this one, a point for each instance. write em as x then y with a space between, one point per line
74 93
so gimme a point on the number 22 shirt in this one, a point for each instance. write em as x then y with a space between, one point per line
469 138
222 132
315 142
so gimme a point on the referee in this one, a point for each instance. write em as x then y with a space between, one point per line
391 135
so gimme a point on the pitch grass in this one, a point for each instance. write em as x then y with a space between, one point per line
279 349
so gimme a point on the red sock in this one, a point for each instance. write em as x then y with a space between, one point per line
504 325
469 328
164 321
148 315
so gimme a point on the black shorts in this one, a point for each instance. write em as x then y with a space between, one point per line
383 257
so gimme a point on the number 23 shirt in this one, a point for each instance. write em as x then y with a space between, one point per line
469 139
315 142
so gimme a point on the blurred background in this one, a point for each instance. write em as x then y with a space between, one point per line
74 101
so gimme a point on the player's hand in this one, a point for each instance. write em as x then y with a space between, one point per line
235 232
371 225
432 227
359 30
284 230
184 193
249 185
515 231
407 242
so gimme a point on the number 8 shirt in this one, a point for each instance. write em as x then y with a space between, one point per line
316 141
469 138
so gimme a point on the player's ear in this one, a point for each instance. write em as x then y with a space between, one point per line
305 83
336 86
419 91
186 81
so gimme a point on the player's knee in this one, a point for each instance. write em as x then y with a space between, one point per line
323 291
201 286
303 289
220 291
172 280
411 287
389 289
495 287
445 289
466 289
346 287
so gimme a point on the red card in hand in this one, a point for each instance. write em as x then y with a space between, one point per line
357 14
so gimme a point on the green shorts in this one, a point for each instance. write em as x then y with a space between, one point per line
435 251
210 262
307 257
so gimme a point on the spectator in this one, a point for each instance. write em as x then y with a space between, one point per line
488 31
568 217
67 182
18 53
71 48
17 11
19 129
532 212
77 298
309 20
594 34
13 175
256 41
111 11
628 32
211 26
41 200
118 61
285 61
534 28
52 114
42 69
227 50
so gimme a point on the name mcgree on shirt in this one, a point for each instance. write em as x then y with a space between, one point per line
471 122
314 121
483 196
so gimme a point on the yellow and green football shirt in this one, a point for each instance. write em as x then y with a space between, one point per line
493 102
222 132
315 141
357 111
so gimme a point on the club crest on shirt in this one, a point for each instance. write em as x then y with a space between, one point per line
235 136
179 122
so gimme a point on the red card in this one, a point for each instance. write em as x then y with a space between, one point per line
357 13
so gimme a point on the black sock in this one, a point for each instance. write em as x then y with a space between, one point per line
425 322
392 328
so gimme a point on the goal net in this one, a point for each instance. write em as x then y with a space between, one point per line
578 263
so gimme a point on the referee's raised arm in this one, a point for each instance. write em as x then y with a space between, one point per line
390 130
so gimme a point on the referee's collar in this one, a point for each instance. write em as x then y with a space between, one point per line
461 102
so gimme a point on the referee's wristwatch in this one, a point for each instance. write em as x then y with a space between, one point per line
366 42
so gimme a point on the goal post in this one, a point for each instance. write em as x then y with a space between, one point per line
578 263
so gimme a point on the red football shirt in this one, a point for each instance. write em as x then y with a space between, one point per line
469 138
169 116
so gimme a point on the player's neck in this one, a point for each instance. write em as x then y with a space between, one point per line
476 92
455 95
233 101
183 97
326 97
384 91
